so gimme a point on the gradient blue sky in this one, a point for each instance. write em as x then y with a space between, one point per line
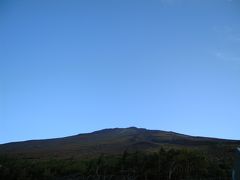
75 66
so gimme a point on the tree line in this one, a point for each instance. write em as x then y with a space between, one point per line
164 164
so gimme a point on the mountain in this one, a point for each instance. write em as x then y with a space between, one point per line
114 141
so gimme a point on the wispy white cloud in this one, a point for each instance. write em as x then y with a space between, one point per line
230 37
235 37
228 58
228 33
219 55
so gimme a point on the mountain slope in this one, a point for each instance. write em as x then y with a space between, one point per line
113 141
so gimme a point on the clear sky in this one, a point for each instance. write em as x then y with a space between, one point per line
75 66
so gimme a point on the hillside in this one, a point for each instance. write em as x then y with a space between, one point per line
119 154
115 141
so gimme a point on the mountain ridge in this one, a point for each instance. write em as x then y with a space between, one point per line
117 128
112 141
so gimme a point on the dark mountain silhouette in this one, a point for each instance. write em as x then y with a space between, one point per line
115 141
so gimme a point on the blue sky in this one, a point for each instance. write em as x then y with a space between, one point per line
70 66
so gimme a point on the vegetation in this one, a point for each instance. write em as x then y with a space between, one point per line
169 164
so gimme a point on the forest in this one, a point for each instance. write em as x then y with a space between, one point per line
166 164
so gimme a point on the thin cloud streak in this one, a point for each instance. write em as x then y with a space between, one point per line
227 58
